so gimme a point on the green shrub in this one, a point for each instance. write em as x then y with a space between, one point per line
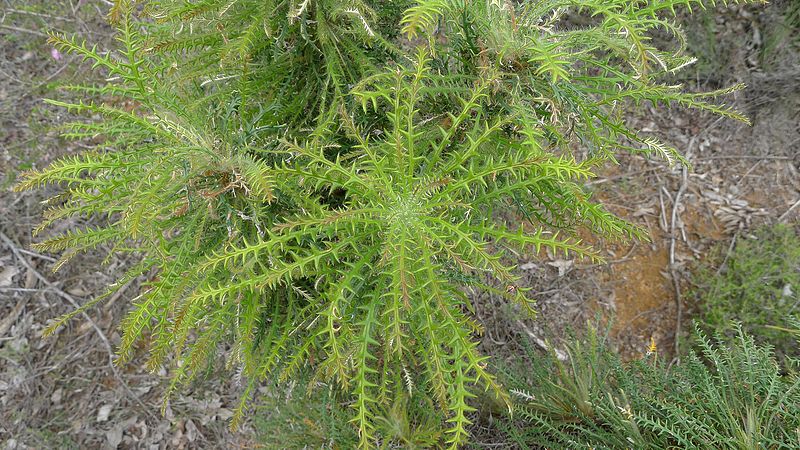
315 183
757 284
731 394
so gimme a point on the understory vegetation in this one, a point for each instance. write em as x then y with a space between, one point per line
727 393
314 189
755 282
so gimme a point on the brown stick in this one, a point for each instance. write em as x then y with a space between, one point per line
74 303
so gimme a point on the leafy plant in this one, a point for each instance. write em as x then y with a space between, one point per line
318 182
289 418
756 284
727 394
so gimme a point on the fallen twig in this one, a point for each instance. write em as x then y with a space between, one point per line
791 208
23 30
9 320
37 255
541 342
672 242
31 13
75 304
727 254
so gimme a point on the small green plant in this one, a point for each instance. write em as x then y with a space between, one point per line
288 417
295 420
728 394
316 183
757 284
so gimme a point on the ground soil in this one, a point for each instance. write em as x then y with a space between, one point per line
62 392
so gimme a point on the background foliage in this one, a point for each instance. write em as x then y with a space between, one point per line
727 393
755 284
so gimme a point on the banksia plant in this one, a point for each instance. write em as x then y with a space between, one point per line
320 183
